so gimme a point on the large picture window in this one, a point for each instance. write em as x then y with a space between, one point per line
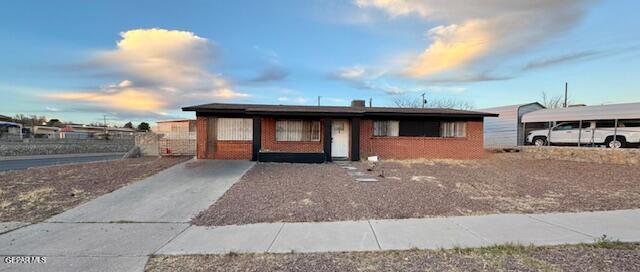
419 128
235 129
386 128
454 129
297 130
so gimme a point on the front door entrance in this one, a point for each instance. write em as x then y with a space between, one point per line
340 139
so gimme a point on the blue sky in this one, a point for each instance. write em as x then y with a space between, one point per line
143 60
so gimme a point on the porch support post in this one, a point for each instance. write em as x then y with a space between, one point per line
327 138
615 130
355 139
523 140
579 132
257 140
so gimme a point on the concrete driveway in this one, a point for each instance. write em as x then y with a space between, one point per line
118 231
173 195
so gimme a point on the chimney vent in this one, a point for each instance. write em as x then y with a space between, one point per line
357 103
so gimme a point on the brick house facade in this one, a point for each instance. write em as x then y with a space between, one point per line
316 133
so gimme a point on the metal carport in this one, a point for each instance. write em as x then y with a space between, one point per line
614 112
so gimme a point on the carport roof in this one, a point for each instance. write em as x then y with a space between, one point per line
585 113
262 109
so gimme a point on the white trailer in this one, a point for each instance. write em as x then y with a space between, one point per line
505 131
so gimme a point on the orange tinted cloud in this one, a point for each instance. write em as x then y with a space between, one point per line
453 46
125 99
474 32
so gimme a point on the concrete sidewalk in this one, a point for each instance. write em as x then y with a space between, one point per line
428 233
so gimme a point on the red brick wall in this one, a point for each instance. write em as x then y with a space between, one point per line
470 147
233 150
269 142
224 150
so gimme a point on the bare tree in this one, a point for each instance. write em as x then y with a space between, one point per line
451 103
553 102
29 120
404 101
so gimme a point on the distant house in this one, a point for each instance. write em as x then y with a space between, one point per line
177 137
10 130
5 118
79 131
325 133
45 132
176 126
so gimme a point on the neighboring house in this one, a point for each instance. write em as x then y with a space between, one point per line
10 130
79 131
5 118
45 132
176 126
287 133
506 130
177 137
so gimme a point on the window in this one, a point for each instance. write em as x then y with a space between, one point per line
297 130
386 128
567 126
454 129
419 128
235 129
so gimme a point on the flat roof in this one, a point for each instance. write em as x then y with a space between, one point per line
175 120
585 113
263 109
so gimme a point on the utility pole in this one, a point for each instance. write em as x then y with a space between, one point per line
566 88
424 101
105 126
319 100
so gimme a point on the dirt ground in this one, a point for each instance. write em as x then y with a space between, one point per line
35 194
505 183
622 257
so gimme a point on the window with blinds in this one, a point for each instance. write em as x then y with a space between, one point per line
297 130
386 128
453 129
235 129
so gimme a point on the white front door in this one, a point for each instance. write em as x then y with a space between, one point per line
340 138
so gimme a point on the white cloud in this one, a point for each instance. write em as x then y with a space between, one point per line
52 109
355 72
480 32
161 69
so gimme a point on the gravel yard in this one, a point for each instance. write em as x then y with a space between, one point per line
505 183
618 257
35 194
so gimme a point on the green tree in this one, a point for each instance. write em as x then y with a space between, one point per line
128 125
144 126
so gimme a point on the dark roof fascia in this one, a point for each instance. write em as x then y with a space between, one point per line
430 114
304 113
364 113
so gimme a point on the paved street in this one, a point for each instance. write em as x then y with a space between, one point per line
18 163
